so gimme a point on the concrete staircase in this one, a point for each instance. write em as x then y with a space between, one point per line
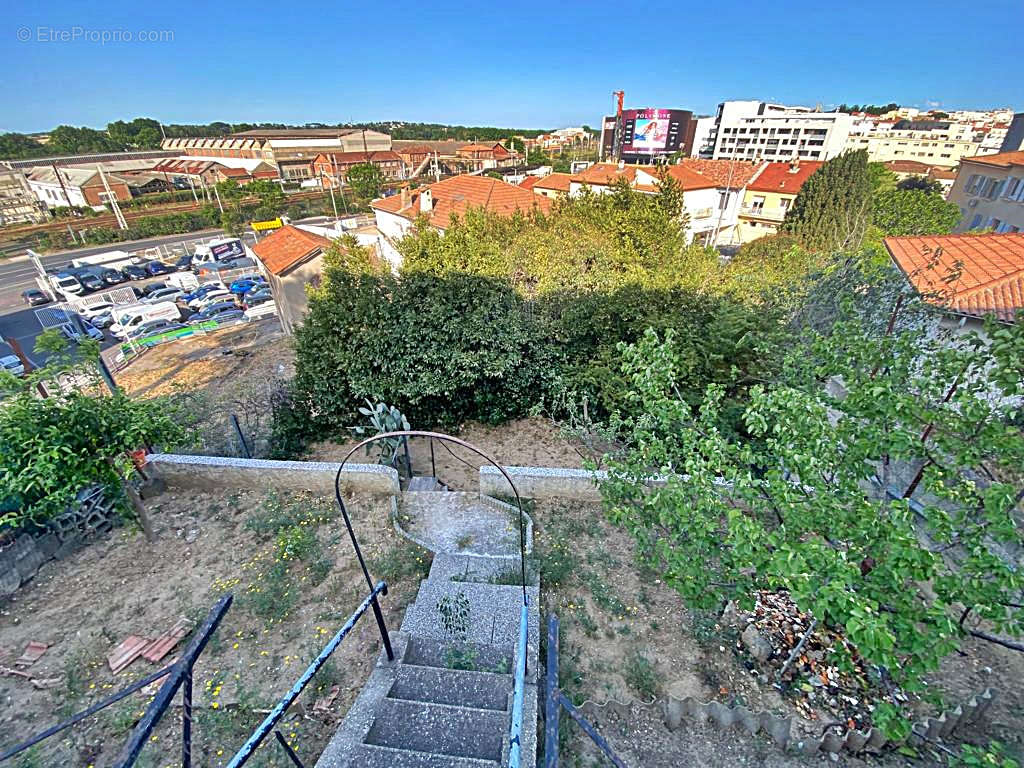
446 701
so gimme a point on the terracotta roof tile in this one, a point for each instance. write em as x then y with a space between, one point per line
1001 160
780 177
529 182
559 182
970 274
604 174
734 174
287 247
460 193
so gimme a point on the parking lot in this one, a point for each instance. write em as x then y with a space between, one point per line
24 323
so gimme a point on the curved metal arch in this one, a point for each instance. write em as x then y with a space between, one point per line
444 439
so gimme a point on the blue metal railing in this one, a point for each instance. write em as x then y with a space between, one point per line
516 731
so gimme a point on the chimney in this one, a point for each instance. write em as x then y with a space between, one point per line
405 197
794 164
622 164
426 201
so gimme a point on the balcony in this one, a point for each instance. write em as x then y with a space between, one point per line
772 213
703 213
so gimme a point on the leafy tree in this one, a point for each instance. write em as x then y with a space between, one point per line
833 209
77 437
18 146
366 180
914 212
922 183
882 179
68 140
880 488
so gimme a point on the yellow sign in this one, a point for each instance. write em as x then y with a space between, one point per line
263 226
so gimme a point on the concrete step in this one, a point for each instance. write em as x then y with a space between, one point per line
483 570
478 688
370 756
463 523
425 484
439 729
433 652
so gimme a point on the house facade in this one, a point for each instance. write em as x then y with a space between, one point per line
769 197
989 190
331 168
291 259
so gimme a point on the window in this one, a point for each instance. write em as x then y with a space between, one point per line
975 221
758 203
974 184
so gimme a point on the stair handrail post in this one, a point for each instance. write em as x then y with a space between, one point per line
552 707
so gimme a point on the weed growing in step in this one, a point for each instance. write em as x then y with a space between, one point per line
464 542
461 658
641 676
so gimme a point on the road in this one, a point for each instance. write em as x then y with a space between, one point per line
19 322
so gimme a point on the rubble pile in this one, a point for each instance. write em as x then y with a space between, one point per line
814 666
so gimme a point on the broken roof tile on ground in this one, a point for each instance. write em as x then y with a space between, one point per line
162 645
33 652
128 651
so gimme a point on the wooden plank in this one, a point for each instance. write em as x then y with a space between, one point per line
127 652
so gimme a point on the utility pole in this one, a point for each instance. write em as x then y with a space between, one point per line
220 205
341 191
112 199
330 189
437 168
192 186
63 189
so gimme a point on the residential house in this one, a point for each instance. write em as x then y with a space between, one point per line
528 182
488 155
732 179
701 198
331 168
291 259
770 196
553 185
970 276
989 189
439 202
904 169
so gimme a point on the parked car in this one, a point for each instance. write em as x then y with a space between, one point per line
214 310
168 293
201 291
103 320
12 365
91 282
153 326
255 298
261 310
96 309
155 268
211 297
184 263
246 284
151 287
135 272
72 332
34 297
113 276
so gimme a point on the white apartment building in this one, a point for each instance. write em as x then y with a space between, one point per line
703 137
757 130
932 142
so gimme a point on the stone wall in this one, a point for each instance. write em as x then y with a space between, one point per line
543 482
216 472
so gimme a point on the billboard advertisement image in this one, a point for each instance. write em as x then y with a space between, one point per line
650 133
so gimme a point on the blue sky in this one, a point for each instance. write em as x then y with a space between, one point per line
509 64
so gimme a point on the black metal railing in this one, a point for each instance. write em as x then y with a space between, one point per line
179 675
270 722
555 701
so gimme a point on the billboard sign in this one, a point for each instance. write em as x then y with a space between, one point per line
653 131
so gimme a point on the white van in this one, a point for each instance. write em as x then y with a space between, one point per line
134 315
223 250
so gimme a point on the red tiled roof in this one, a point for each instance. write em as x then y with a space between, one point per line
1001 160
605 174
907 166
287 247
734 174
970 274
529 182
482 147
559 182
780 177
460 193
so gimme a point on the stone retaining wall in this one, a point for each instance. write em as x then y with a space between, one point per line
543 482
216 472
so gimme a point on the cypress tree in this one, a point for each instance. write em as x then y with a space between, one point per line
833 209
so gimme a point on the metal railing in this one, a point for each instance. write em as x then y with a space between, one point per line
773 213
555 701
179 675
